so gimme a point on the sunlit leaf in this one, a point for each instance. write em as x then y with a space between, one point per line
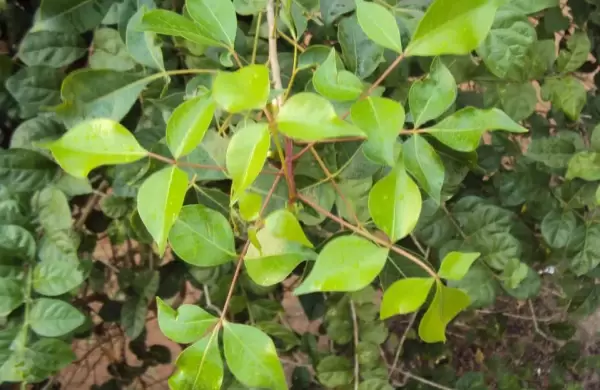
446 305
185 325
455 265
199 366
379 24
216 17
334 83
425 165
188 124
405 296
252 79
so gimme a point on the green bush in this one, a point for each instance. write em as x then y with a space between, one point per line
429 159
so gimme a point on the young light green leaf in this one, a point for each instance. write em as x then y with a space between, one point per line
381 119
558 227
252 79
50 48
405 296
202 237
188 124
57 276
75 16
336 84
446 305
250 205
53 318
346 263
252 358
271 259
425 165
165 22
455 265
395 203
451 27
283 224
186 324
584 165
309 117
576 53
94 143
159 200
432 96
199 366
217 18
379 24
462 130
142 45
246 156
11 295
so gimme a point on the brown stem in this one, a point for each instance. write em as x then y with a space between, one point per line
370 236
89 206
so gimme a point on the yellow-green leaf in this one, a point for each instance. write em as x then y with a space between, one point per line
405 296
186 324
199 366
453 27
283 224
456 265
250 205
379 25
188 124
425 165
446 305
242 90
462 130
252 358
216 17
246 156
336 84
94 143
395 203
165 22
159 201
309 117
382 120
346 263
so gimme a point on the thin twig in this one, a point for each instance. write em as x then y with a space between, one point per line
536 325
401 344
89 206
355 332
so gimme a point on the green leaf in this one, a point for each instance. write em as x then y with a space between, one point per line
188 124
249 7
94 143
71 15
382 120
585 165
110 52
252 79
246 156
425 165
518 100
462 130
250 205
185 325
252 358
202 237
334 371
49 355
160 21
159 200
35 88
52 208
432 96
331 10
346 263
143 45
530 6
576 53
53 318
379 24
57 276
133 315
73 186
309 117
566 93
16 242
588 257
24 170
529 286
283 224
99 93
216 17
281 333
11 295
275 259
336 84
49 48
558 227
449 27
199 366
395 203
361 55
555 151
211 151
507 45
39 128
514 273
480 285
405 296
375 384
115 207
455 265
446 304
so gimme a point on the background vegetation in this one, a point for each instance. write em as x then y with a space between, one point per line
306 194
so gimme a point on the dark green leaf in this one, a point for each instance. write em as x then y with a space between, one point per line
35 88
25 170
53 318
49 48
133 315
71 15
360 54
